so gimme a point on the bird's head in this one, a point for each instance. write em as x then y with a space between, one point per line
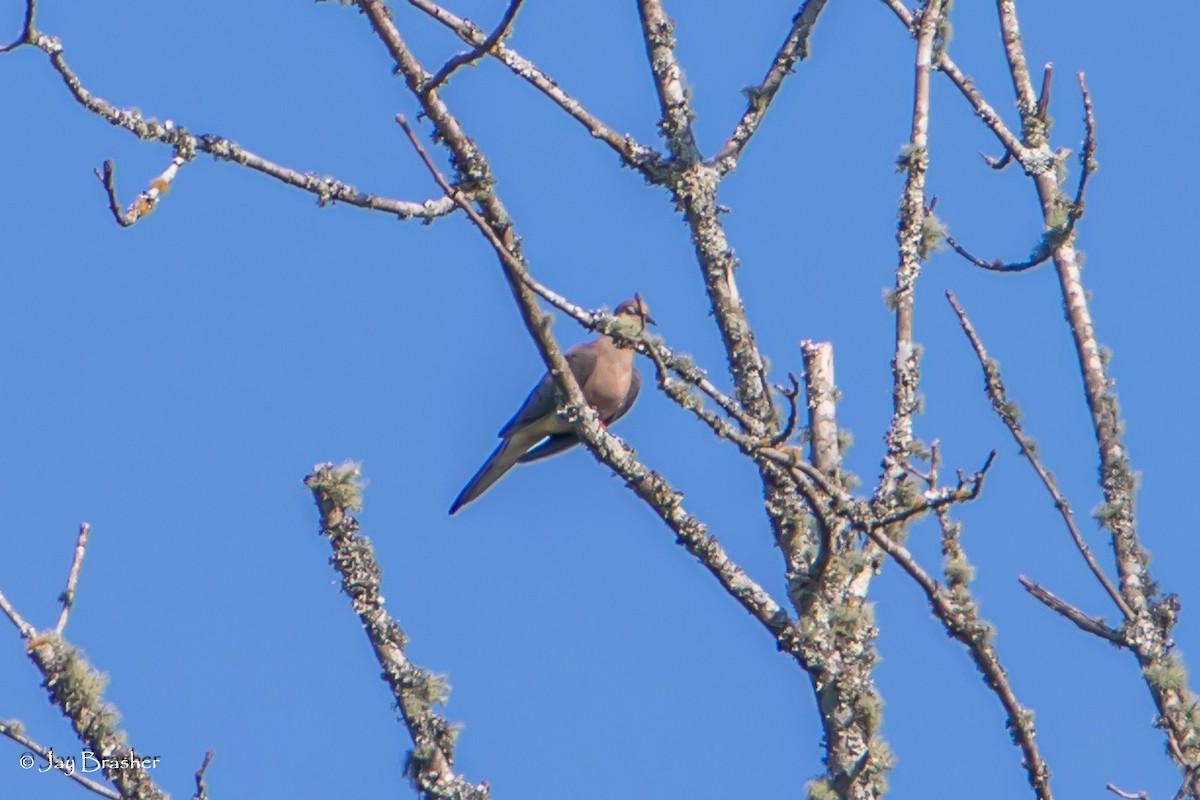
634 310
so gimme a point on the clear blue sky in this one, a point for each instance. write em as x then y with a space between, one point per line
173 382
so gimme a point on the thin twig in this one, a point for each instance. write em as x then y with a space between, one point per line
1093 625
201 785
793 411
997 163
967 488
1043 103
634 154
27 29
145 202
793 49
1006 410
1127 795
961 620
478 51
1010 141
24 628
1087 157
1040 255
186 145
11 730
68 596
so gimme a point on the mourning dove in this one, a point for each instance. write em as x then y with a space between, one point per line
610 384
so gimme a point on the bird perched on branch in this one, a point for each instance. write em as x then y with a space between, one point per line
610 384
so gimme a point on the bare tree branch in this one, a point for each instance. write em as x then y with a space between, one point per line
186 145
1127 795
24 628
477 52
914 245
1094 625
201 786
822 405
27 29
68 596
1011 142
633 154
1160 665
12 730
1018 69
759 98
658 31
146 201
959 614
338 492
1007 411
1040 255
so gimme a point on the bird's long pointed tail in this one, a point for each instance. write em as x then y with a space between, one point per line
499 462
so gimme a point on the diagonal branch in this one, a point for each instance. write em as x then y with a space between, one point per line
186 145
633 154
479 50
649 346
1089 624
12 730
793 49
990 117
24 628
1007 411
338 492
960 617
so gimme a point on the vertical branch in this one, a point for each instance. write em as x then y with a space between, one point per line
915 239
840 625
694 187
658 31
822 406
1014 51
1148 633
68 596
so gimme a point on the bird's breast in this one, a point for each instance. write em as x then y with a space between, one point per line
608 385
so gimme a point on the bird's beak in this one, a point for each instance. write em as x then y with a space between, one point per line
650 319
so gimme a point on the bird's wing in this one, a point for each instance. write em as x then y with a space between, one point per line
555 443
543 400
558 442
